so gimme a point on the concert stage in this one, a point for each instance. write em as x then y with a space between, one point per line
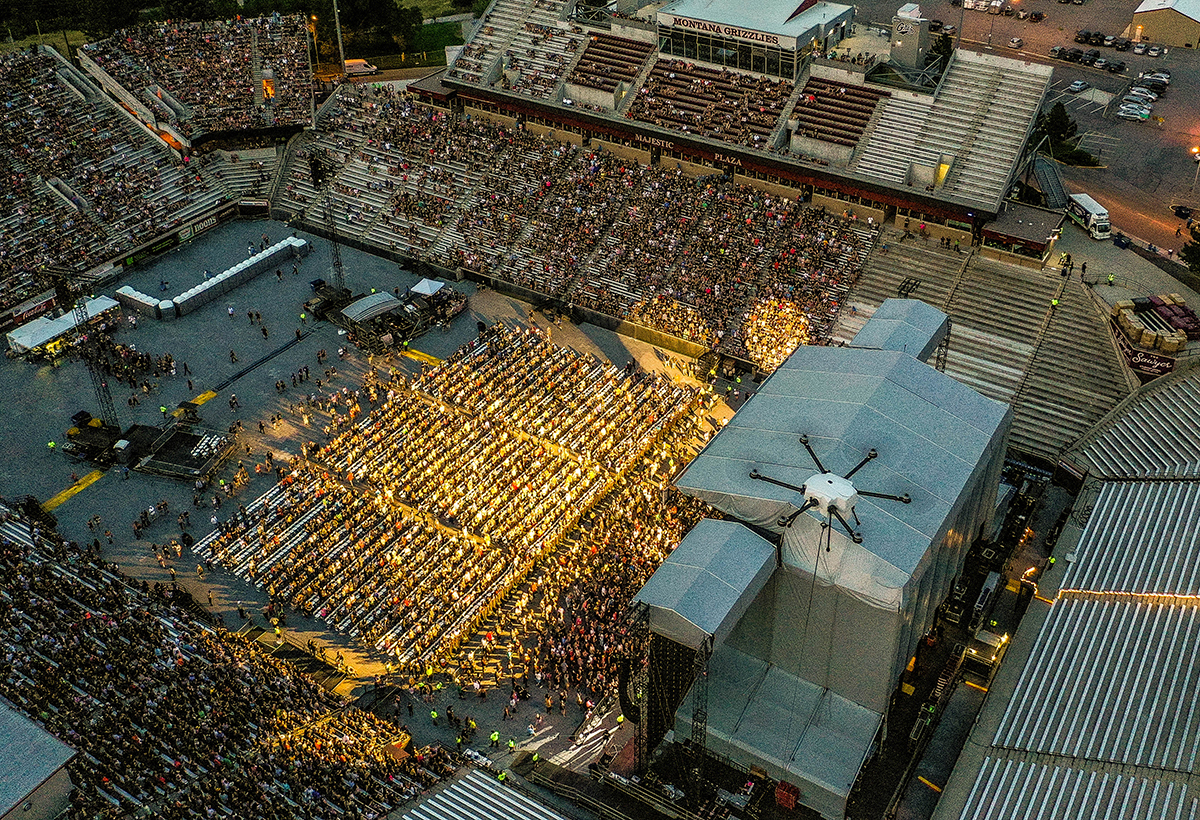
185 451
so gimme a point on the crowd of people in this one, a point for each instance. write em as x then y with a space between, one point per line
172 718
695 257
709 102
214 70
82 183
564 629
408 526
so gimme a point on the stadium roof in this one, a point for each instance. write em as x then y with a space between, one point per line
929 430
1152 432
31 756
708 582
1101 716
480 797
771 16
1188 8
907 325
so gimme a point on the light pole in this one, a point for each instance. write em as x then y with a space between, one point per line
312 26
1196 161
337 24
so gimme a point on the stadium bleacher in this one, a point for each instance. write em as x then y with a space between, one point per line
710 102
609 60
834 112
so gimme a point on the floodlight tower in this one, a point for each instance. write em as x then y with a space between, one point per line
108 412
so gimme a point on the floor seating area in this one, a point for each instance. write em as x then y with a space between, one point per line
476 470
834 112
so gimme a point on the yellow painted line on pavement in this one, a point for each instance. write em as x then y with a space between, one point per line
933 786
423 357
975 686
203 397
88 480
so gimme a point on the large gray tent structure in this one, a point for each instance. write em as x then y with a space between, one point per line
875 472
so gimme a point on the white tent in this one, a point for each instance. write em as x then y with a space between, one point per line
45 329
427 287
705 586
834 627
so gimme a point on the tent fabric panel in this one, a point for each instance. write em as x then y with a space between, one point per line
708 582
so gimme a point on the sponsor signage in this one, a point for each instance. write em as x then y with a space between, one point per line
723 30
158 247
1143 361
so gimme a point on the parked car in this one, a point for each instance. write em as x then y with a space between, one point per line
1110 40
1153 77
935 26
1101 63
956 3
1182 211
1154 51
1077 2
1077 86
1123 44
1083 36
1059 52
1132 115
1009 11
1023 14
949 30
1142 93
1016 42
1074 55
1116 66
1130 99
1121 240
1037 17
1159 72
1097 38
1140 48
1090 56
1140 110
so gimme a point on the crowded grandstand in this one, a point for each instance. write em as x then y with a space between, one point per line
726 187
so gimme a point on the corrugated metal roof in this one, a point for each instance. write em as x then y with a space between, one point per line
31 755
1153 433
1189 8
1141 537
1018 790
1111 679
479 797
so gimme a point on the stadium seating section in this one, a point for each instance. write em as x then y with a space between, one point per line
213 71
709 102
834 113
609 61
84 182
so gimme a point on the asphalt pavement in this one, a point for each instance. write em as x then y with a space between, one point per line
1146 167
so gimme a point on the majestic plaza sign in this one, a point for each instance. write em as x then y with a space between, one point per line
722 30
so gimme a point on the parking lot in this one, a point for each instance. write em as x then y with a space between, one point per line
1147 166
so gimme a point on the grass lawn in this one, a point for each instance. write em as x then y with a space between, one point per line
54 39
436 36
435 8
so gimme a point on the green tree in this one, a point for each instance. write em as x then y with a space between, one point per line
1190 253
1057 124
